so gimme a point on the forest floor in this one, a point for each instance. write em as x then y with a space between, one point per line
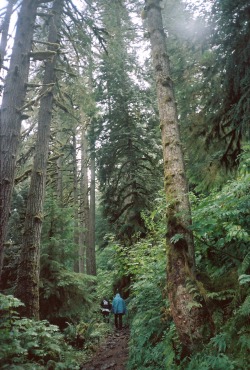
112 354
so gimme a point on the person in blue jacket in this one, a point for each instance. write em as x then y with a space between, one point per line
119 309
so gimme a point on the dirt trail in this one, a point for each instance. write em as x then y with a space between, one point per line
112 354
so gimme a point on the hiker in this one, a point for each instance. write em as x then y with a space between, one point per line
105 308
118 309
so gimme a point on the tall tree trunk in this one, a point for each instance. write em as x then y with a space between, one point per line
91 255
190 317
5 30
11 111
92 269
29 266
59 187
84 203
75 196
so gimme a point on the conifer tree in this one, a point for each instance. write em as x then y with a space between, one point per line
84 203
4 30
218 92
228 76
28 271
129 149
11 113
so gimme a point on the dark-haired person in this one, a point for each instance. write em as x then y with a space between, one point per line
105 308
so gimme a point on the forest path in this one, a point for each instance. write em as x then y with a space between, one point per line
112 354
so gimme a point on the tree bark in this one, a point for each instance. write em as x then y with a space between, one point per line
92 269
91 255
191 317
11 111
76 203
29 266
84 202
59 187
5 30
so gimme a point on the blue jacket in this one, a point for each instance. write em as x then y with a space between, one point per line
118 305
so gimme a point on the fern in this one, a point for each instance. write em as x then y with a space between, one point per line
244 279
222 295
245 264
193 304
211 362
244 310
220 342
244 341
29 344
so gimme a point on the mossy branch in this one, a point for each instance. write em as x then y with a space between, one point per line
41 14
39 85
60 105
34 101
55 157
51 44
42 55
71 74
23 176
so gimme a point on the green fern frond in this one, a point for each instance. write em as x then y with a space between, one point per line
245 264
244 341
220 342
245 308
244 279
221 296
193 304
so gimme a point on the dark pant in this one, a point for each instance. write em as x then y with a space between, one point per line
118 320
105 316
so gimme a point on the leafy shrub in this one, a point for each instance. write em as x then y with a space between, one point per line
221 230
222 234
153 334
31 344
65 296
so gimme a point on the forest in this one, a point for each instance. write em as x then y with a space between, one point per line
124 167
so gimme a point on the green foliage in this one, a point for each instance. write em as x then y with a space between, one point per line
221 228
244 279
151 342
129 151
211 362
209 55
229 348
30 344
230 118
58 231
64 295
152 332
87 335
108 269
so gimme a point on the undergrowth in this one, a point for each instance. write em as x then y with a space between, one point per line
30 344
221 230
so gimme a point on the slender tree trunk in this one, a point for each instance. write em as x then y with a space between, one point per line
59 189
190 316
4 29
90 251
76 207
91 255
11 111
92 269
29 266
84 203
